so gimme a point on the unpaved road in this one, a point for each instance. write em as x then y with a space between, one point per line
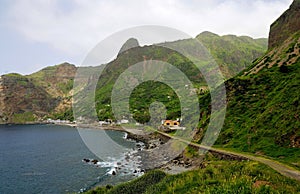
279 167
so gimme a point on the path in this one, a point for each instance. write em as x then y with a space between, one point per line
279 167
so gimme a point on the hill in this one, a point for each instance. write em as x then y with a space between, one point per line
232 53
262 118
31 98
263 103
53 85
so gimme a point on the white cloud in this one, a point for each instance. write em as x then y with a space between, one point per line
75 26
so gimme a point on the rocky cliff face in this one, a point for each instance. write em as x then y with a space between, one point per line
130 43
31 98
286 25
284 41
2 96
23 100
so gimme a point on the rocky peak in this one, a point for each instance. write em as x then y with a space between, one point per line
130 43
286 25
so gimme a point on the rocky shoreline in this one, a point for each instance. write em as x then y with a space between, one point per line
155 154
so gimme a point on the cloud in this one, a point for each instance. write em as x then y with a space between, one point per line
75 26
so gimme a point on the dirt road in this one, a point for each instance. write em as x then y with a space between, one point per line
279 167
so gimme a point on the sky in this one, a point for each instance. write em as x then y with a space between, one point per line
39 33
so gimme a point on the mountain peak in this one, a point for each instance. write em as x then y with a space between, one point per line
130 43
207 34
286 25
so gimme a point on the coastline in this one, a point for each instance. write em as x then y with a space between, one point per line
151 140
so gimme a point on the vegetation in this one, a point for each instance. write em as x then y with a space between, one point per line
238 52
262 117
23 117
262 113
65 115
233 53
36 96
139 185
51 86
216 177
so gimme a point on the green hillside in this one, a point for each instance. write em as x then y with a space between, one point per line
263 106
237 53
262 118
233 53
56 80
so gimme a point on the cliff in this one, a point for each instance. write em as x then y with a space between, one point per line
286 25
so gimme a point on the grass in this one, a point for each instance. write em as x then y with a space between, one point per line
216 177
23 117
262 114
139 185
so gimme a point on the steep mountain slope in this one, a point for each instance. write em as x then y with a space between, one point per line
263 105
56 80
232 53
31 98
24 101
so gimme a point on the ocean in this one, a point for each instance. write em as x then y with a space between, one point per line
49 159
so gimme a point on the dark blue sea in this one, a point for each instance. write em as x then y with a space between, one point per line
48 159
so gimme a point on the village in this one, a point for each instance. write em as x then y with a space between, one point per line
166 125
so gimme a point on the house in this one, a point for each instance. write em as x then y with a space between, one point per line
101 123
171 123
124 121
105 122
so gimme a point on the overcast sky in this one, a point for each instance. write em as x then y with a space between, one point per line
39 33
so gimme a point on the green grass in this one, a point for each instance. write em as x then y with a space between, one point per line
216 177
262 113
139 185
23 117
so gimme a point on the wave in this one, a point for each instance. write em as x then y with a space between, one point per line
128 164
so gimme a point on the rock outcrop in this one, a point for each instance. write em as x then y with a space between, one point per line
285 26
130 43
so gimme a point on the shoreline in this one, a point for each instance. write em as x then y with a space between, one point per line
151 140
175 166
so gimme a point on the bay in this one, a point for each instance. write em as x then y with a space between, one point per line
48 159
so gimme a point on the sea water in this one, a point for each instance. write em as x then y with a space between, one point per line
49 159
